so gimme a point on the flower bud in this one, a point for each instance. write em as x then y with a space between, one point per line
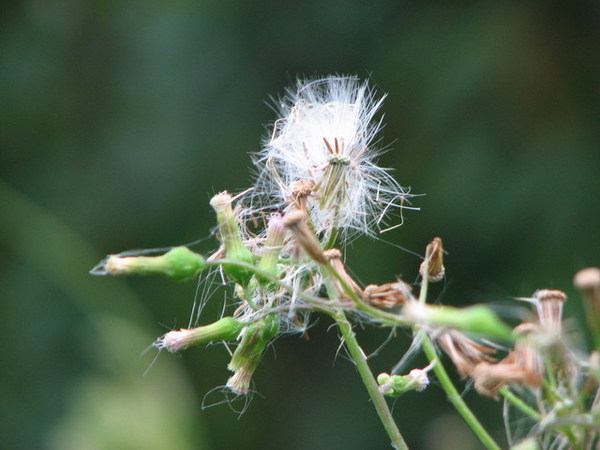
396 385
247 355
179 264
476 319
232 239
222 330
272 247
432 267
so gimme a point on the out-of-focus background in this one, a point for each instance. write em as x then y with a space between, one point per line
120 119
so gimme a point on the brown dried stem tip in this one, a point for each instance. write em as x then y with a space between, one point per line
334 256
432 267
295 221
550 306
388 295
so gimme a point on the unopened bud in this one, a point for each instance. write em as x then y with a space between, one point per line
222 330
476 319
295 221
432 267
272 247
232 239
179 263
396 385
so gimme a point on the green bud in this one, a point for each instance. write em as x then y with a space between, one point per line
232 240
272 248
477 319
396 385
222 330
179 264
249 352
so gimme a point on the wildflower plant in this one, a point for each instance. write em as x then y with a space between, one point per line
317 186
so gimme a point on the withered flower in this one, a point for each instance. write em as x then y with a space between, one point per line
549 305
464 352
432 267
522 365
388 295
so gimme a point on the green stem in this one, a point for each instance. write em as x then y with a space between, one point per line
360 360
519 404
446 383
454 396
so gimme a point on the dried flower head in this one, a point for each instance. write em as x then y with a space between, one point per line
325 139
432 267
522 365
549 305
464 352
388 295
526 354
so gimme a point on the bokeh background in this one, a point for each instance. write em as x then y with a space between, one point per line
119 120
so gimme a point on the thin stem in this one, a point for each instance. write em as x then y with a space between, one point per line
519 404
360 360
248 298
454 396
446 383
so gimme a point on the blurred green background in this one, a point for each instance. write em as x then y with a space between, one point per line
119 120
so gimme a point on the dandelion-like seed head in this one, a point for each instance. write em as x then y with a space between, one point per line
325 139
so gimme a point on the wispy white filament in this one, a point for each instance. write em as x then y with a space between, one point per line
326 135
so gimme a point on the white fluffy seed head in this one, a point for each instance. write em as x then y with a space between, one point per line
326 135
